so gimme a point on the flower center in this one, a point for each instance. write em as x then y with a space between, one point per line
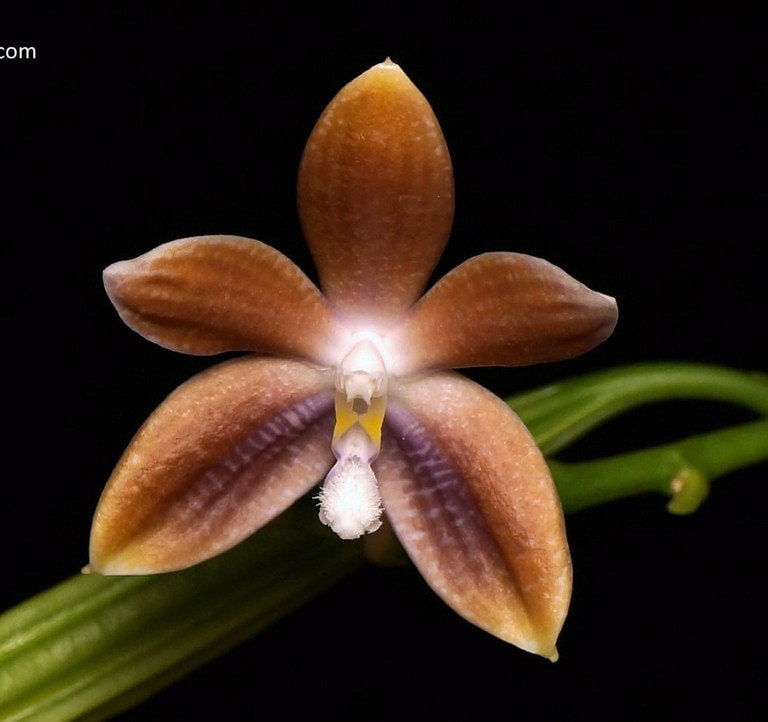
349 499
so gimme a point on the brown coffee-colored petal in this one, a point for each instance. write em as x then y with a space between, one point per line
375 195
225 453
501 309
210 294
472 501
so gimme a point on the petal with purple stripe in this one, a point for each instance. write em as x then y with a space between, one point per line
221 456
472 501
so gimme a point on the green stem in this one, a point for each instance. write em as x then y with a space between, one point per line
93 646
559 414
682 470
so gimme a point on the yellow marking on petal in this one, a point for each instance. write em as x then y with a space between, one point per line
370 420
346 418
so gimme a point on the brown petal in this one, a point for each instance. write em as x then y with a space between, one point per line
472 501
211 294
501 309
376 195
225 453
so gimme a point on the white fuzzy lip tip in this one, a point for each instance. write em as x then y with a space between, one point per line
349 500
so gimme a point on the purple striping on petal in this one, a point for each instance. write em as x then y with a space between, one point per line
435 490
222 489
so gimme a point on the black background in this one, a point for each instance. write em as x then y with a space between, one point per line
619 144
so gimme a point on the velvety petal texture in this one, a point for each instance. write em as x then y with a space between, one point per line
210 294
472 501
225 453
501 309
375 195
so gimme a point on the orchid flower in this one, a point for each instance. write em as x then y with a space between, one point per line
353 384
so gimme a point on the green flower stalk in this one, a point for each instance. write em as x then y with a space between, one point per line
560 414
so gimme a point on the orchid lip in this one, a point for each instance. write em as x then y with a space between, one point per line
349 499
